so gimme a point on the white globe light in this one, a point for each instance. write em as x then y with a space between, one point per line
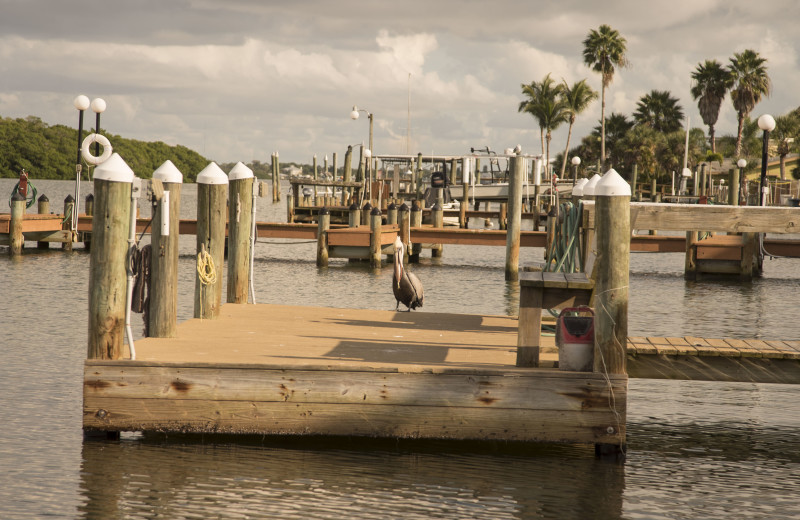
576 161
98 105
766 123
354 113
81 102
367 153
741 163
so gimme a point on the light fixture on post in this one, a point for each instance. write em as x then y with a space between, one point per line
736 184
98 107
767 124
575 162
354 115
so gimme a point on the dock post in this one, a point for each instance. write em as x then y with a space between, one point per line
733 190
466 171
212 195
612 195
365 214
290 207
690 263
240 223
43 208
391 214
405 230
375 237
277 176
89 210
16 239
613 258
323 225
416 222
163 315
418 178
347 175
503 216
437 219
354 215
69 208
113 182
517 172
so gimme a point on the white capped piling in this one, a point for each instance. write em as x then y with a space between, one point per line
517 172
113 181
163 315
16 239
365 214
613 196
375 237
240 220
212 195
437 220
323 225
391 214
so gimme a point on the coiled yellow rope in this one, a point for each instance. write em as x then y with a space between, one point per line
205 268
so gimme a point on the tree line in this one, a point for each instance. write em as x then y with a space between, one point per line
652 137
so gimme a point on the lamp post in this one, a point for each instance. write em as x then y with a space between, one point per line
98 107
575 162
81 103
368 153
736 185
767 124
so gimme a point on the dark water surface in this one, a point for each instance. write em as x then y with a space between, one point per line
696 449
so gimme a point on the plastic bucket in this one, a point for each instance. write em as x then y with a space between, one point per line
575 339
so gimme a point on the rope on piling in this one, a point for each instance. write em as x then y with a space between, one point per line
206 271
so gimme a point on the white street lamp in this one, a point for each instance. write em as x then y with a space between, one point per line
767 124
575 162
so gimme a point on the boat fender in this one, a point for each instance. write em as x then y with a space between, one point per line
87 154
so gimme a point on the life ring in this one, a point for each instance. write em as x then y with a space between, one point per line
87 143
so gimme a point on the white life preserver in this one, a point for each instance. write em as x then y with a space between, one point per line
87 143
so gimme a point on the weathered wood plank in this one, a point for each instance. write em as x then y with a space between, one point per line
434 422
719 368
547 391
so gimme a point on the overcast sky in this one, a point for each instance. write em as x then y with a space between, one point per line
238 79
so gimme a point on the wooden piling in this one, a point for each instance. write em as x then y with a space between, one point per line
240 222
418 179
290 207
437 219
517 172
365 214
43 208
690 259
416 222
611 285
375 238
503 217
391 214
354 216
163 315
16 239
69 207
347 175
212 188
89 210
323 225
107 265
733 188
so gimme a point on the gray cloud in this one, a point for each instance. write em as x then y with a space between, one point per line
239 79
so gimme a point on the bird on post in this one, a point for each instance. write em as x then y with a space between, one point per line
406 286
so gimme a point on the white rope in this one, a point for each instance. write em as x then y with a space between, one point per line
206 270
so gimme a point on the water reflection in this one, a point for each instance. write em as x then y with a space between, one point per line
182 478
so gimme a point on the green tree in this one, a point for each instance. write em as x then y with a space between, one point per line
660 111
577 98
536 93
750 82
604 50
641 145
617 126
710 82
787 131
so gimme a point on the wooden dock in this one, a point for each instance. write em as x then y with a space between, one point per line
275 370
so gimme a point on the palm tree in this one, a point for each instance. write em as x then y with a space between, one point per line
750 82
617 126
576 99
603 50
787 130
547 89
711 82
660 111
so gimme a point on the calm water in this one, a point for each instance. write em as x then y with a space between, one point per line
696 450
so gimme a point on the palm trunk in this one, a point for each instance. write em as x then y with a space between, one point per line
783 167
566 150
547 163
712 138
541 135
738 152
603 130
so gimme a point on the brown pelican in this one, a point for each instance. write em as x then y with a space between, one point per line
406 286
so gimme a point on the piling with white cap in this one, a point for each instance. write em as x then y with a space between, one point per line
240 219
113 180
212 197
163 315
612 195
